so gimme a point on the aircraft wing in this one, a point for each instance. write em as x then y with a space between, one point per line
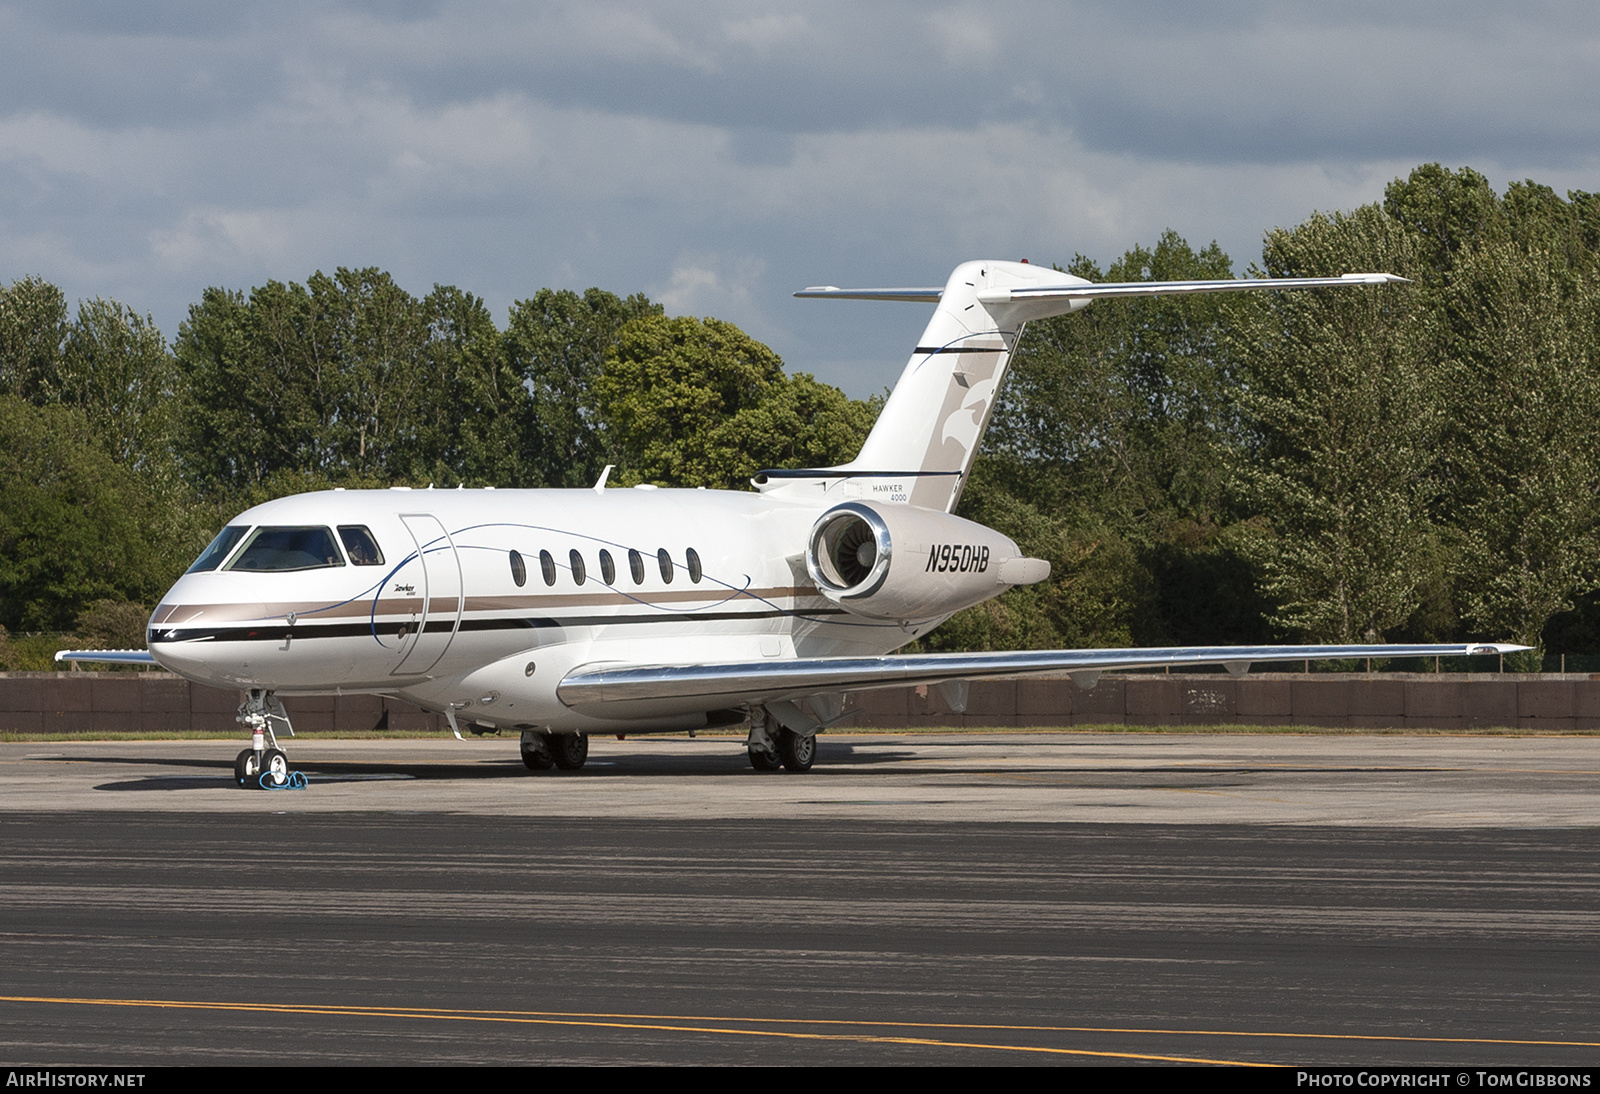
616 685
108 657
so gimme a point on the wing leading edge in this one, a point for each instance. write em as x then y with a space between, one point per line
602 685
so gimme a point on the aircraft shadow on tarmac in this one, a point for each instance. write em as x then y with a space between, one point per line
837 758
209 773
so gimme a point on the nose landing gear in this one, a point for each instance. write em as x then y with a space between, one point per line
263 766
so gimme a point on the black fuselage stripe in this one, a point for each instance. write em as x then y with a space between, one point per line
303 631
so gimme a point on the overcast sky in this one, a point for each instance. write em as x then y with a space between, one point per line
718 156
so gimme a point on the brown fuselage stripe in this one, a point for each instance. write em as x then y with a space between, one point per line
179 614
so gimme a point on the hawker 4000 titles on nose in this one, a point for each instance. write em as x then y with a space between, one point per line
563 613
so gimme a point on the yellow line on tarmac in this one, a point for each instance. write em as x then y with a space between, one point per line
992 1026
656 1022
659 1023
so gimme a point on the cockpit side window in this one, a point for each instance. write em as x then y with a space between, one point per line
213 555
278 550
360 546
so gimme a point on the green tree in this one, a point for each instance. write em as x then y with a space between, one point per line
1524 451
33 332
691 402
1345 420
1447 213
376 386
117 369
334 378
75 525
480 413
1119 423
1129 404
556 342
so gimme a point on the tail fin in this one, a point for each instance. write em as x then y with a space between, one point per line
925 440
922 447
930 428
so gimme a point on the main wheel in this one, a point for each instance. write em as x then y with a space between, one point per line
762 760
274 767
797 753
536 753
246 770
569 750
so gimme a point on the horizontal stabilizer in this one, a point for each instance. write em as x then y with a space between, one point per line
915 296
760 681
1106 290
936 415
1112 289
108 657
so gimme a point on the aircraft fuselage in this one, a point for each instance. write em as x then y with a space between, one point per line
485 599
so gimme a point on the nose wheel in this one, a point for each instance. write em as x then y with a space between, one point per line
264 766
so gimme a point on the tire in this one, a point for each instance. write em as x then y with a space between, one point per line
246 772
536 752
274 767
762 760
796 752
569 750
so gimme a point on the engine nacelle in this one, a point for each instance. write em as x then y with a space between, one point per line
899 562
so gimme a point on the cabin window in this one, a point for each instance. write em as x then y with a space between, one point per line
279 550
519 569
636 566
579 573
664 560
548 566
694 565
608 569
213 555
360 546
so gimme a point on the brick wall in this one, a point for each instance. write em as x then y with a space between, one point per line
86 702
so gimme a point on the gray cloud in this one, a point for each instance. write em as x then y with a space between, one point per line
721 155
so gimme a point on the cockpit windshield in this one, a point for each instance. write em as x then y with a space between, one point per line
213 555
282 549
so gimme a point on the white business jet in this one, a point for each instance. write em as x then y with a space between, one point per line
562 613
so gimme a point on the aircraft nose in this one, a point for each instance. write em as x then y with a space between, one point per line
177 641
186 658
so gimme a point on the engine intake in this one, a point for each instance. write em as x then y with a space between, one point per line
902 563
850 551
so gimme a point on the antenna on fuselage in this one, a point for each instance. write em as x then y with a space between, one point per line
600 484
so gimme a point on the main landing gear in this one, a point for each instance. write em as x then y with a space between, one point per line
263 766
773 747
542 751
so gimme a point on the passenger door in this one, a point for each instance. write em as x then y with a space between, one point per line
437 569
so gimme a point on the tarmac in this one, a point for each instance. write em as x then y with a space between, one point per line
1005 898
